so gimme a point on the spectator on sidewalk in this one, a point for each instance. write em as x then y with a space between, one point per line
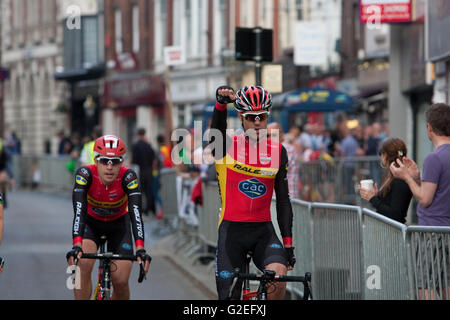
87 152
65 144
394 196
432 191
144 157
165 152
348 149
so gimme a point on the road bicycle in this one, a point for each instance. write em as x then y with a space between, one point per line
106 259
265 279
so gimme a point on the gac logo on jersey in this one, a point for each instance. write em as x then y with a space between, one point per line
133 185
81 181
253 188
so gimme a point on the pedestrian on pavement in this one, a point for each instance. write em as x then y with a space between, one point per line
432 191
394 196
65 144
87 153
145 158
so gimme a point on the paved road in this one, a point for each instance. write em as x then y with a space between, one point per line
38 235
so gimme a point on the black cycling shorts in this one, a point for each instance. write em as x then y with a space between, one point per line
236 240
117 232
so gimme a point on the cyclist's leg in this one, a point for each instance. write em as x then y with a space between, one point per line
269 254
120 242
229 255
120 279
280 287
86 266
91 242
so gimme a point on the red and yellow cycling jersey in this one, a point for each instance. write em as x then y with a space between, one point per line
106 203
246 189
248 172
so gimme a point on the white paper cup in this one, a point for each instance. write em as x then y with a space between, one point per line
367 184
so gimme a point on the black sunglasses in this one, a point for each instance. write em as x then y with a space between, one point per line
113 161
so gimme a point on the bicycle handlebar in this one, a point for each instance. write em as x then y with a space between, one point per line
113 256
108 256
273 277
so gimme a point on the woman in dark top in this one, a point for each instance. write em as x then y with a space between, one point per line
394 196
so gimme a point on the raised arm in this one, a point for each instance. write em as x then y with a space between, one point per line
224 95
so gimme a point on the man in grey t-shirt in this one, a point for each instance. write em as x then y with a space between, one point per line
433 190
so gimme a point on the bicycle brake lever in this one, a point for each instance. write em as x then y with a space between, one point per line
235 279
142 275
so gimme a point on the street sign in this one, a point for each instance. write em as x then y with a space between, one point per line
310 44
174 56
272 78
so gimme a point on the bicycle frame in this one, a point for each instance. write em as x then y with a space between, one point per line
103 288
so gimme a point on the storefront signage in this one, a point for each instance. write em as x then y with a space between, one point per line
134 91
385 11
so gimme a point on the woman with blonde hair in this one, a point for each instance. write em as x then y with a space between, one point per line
394 196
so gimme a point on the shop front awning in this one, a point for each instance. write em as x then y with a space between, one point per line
75 75
207 109
313 100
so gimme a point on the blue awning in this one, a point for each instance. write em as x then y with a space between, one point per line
207 109
314 99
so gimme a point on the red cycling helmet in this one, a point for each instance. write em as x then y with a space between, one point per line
109 146
253 98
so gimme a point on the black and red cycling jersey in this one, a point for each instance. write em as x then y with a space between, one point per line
106 203
248 172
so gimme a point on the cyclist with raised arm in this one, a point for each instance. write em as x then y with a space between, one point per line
107 201
249 168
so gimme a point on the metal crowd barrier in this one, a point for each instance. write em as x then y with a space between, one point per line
429 261
335 181
385 258
337 252
43 171
302 235
209 214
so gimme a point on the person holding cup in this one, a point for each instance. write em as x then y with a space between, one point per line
394 196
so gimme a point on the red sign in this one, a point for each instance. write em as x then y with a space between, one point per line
126 61
385 11
133 91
